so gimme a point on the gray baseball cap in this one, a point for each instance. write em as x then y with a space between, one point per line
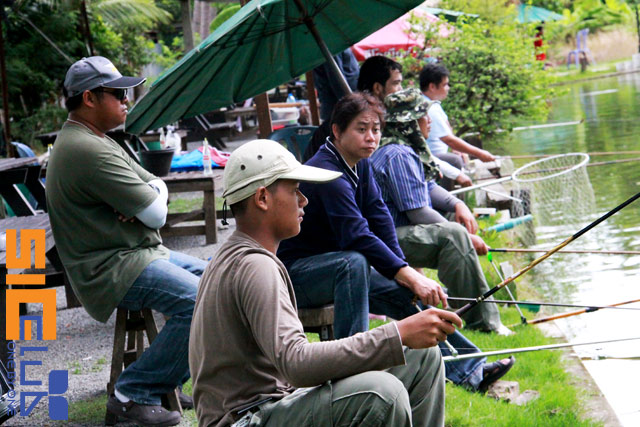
96 71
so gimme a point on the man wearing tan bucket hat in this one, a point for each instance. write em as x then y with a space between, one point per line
250 359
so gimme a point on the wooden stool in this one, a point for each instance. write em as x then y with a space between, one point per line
318 320
134 324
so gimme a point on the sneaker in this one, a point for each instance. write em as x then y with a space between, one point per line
144 415
492 372
503 331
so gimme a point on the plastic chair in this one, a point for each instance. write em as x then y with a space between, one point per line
581 43
28 182
23 149
294 138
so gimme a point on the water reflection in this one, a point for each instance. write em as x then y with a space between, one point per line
610 108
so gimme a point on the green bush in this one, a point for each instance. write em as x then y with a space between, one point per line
495 80
46 119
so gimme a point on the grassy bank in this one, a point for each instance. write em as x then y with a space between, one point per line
562 75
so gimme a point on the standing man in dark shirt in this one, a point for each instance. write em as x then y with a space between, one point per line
329 89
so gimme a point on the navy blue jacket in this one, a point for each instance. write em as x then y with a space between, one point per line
347 214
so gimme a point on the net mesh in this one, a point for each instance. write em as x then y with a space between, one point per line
555 190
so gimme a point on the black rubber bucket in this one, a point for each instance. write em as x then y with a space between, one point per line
158 162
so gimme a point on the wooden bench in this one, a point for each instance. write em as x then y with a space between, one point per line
184 182
318 320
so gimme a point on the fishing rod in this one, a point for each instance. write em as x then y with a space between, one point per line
527 349
495 267
452 349
546 255
586 308
574 251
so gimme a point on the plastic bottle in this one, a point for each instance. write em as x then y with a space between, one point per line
163 140
206 158
173 140
291 98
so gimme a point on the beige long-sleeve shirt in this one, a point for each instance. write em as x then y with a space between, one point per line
247 343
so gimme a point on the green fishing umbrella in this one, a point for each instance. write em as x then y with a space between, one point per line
266 43
527 13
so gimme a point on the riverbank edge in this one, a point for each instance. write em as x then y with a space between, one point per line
601 76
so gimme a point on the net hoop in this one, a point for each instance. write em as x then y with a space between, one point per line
582 160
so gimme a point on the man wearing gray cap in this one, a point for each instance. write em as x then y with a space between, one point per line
105 212
251 361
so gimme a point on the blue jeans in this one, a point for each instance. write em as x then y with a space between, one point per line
346 280
169 287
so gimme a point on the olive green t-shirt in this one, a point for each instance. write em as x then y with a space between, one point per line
89 180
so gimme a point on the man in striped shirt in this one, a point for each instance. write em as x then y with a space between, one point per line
425 236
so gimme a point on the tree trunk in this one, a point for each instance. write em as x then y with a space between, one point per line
203 14
187 31
6 128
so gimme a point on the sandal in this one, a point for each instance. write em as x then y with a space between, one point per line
492 372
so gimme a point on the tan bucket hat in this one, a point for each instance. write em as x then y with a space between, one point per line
260 163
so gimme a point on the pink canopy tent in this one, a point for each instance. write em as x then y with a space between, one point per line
395 38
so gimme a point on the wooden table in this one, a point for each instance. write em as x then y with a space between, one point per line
11 163
184 182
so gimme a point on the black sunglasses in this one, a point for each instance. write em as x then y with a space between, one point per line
119 94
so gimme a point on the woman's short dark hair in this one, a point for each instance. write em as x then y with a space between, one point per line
350 106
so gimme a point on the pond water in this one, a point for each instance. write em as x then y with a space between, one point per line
609 110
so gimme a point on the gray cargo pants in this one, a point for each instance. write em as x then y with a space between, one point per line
409 395
447 247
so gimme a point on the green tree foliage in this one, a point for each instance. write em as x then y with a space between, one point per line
36 69
592 14
495 80
556 6
223 15
488 10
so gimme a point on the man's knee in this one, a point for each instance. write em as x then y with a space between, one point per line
352 260
456 233
371 397
453 228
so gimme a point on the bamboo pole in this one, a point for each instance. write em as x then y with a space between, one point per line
577 312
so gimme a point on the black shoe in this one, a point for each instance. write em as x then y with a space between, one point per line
144 415
186 401
492 372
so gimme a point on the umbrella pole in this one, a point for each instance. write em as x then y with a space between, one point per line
313 100
308 21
